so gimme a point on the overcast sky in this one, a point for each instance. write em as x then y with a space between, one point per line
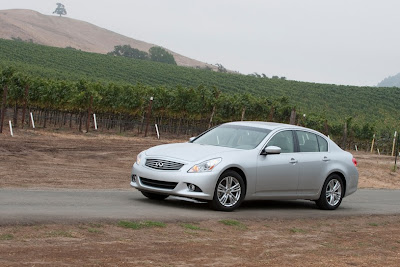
354 42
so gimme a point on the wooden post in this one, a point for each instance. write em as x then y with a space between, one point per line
394 142
148 116
212 116
3 108
293 117
344 136
373 142
243 113
25 103
397 152
89 114
11 129
271 114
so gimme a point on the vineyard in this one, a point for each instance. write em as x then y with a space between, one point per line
63 87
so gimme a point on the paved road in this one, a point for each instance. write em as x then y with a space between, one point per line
46 206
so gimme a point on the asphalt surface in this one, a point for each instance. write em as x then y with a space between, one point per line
19 206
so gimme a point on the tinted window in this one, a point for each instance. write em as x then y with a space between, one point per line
234 136
323 145
284 140
307 142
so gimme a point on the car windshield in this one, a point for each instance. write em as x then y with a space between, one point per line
234 136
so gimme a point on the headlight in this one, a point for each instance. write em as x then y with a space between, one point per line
205 166
139 158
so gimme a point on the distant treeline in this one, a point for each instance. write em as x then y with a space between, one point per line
156 53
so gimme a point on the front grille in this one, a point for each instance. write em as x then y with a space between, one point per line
158 184
165 165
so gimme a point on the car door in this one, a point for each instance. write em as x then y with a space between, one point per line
277 174
311 162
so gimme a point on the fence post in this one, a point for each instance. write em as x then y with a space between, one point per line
25 103
148 116
11 129
3 108
372 145
394 141
89 112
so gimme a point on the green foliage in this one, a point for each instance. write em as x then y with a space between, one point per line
140 225
128 51
159 54
120 84
234 223
6 237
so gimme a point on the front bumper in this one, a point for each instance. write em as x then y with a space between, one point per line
205 182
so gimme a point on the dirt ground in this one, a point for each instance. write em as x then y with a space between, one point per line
40 159
354 241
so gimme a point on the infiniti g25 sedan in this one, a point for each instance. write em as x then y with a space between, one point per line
240 161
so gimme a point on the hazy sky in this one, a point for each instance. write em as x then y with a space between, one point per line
353 42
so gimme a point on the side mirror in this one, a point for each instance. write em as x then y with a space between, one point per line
272 150
191 139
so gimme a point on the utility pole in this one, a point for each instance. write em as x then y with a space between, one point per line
148 116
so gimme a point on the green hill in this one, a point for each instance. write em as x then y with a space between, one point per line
375 105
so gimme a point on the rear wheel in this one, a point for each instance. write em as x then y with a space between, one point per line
229 192
331 194
154 195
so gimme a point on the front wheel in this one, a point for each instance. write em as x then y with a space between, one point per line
331 194
154 195
229 192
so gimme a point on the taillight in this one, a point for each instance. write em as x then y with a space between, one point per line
355 162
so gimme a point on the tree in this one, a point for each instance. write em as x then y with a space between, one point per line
128 51
221 68
60 10
159 54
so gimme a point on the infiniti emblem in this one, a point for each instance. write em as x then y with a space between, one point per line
159 164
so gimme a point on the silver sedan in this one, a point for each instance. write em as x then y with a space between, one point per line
246 161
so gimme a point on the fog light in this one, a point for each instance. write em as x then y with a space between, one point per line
134 178
193 188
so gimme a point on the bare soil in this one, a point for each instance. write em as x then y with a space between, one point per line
43 159
64 32
355 241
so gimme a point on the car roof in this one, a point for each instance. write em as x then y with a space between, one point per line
266 125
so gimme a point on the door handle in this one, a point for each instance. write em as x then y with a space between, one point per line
293 161
326 159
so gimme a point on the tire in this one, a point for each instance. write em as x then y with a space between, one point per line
154 195
229 192
332 193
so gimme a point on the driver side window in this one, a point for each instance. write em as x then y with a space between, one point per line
284 140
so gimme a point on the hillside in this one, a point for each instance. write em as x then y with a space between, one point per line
390 81
365 104
66 32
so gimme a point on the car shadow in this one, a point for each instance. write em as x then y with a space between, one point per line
278 205
183 203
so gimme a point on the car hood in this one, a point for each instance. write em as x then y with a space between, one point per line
187 151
